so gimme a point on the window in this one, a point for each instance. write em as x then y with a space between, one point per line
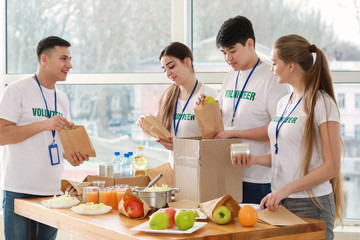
350 133
316 20
106 36
341 100
357 100
357 131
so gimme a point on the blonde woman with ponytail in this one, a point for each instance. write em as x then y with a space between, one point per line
177 103
305 137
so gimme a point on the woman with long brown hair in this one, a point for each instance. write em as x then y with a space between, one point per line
177 103
305 136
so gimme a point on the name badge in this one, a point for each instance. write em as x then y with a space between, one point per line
54 154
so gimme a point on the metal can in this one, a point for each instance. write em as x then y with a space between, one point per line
239 148
106 170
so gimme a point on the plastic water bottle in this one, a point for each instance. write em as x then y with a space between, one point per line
116 163
140 160
126 167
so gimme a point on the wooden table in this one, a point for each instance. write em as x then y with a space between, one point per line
116 226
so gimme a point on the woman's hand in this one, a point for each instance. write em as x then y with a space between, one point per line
167 145
244 160
200 99
139 122
272 200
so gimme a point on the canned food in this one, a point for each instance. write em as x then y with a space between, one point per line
239 148
106 170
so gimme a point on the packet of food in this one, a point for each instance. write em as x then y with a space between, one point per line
74 189
128 196
208 117
227 201
152 127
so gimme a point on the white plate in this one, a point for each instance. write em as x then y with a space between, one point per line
53 205
200 217
146 228
102 210
256 206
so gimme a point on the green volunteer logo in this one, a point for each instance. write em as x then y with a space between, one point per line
40 112
189 117
281 119
246 95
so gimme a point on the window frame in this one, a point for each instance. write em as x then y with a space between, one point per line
181 31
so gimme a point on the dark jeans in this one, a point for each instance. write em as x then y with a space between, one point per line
255 192
17 227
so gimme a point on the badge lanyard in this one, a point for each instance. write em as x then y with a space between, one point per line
177 124
53 148
278 125
241 93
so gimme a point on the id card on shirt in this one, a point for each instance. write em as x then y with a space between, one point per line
54 154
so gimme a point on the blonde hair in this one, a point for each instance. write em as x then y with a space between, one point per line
294 48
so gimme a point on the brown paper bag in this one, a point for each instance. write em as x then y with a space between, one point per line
208 117
227 201
76 139
74 189
280 217
130 195
168 175
152 127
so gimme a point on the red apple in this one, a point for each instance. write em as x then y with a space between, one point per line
134 209
171 214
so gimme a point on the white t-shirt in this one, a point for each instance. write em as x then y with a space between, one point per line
286 165
188 126
26 166
256 109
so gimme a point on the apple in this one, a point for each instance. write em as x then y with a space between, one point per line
222 215
208 99
196 213
134 209
184 219
171 214
159 221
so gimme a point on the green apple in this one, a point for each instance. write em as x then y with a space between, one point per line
184 219
159 221
208 99
222 215
196 213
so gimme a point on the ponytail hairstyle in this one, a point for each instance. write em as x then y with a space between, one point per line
294 48
168 99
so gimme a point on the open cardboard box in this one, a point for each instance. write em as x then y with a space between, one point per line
203 170
141 181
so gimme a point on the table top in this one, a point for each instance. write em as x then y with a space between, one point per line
113 225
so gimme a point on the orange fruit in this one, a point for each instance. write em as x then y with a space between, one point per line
247 216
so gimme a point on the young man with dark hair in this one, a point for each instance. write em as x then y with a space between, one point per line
248 100
32 111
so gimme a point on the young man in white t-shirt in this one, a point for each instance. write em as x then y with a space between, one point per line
32 111
248 99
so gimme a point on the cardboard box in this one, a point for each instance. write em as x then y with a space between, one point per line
142 181
203 170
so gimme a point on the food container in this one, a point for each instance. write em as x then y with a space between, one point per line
239 148
157 199
106 170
